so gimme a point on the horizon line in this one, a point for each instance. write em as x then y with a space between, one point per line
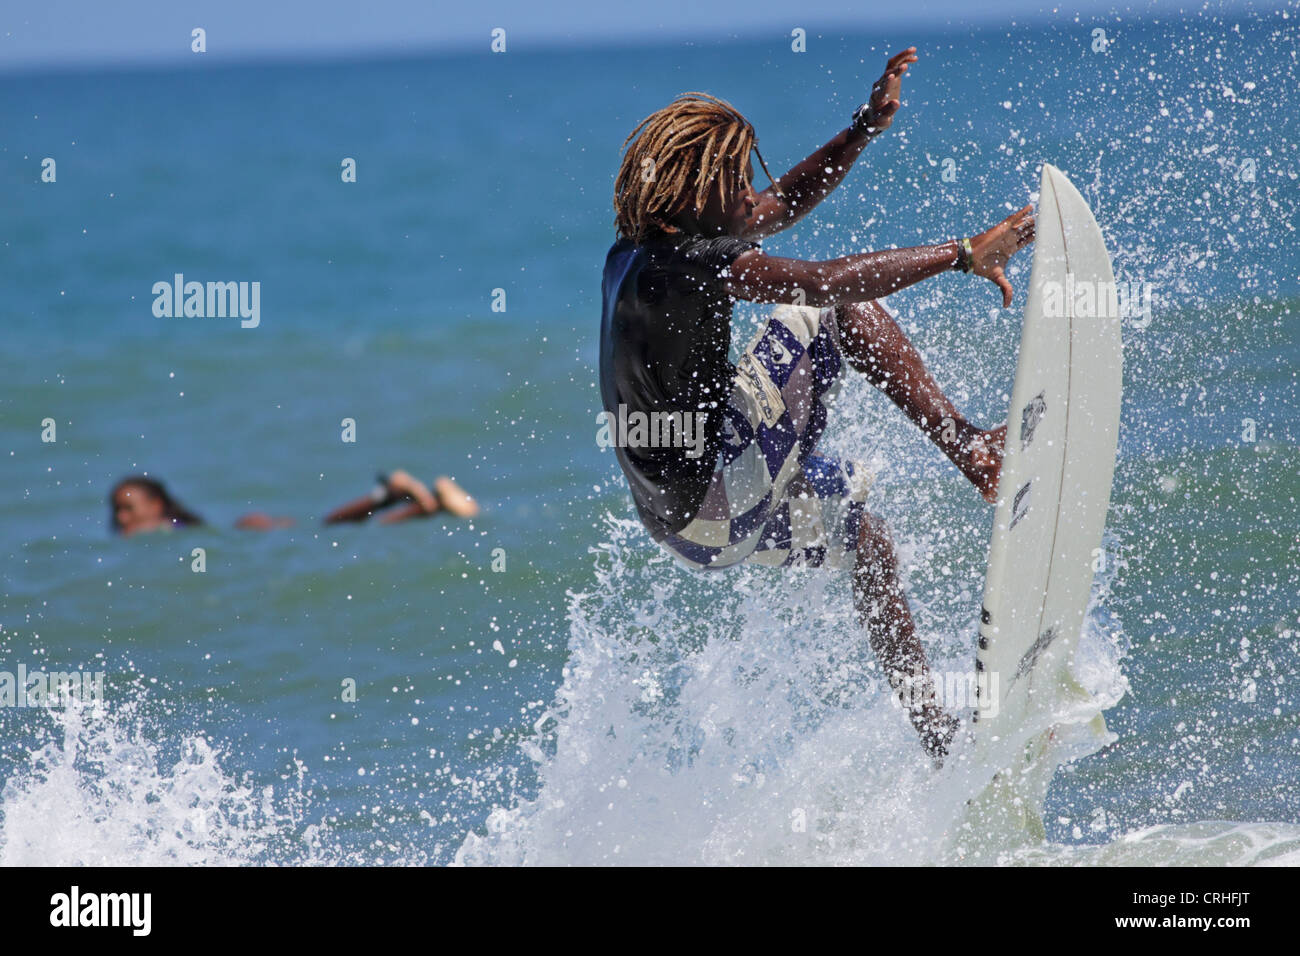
551 43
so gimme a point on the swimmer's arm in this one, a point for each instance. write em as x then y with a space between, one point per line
363 508
399 485
261 521
357 510
870 275
412 510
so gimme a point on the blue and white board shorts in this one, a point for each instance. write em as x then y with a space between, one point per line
773 500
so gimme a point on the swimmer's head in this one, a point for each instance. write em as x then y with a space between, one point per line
687 165
139 503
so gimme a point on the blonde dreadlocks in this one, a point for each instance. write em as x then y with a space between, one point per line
696 142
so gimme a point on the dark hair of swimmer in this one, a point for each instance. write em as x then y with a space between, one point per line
139 503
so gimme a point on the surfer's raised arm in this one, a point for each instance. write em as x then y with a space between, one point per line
795 194
873 275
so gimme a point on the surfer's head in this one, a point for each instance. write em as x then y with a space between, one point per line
687 168
140 503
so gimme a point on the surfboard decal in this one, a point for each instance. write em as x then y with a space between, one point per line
1030 417
1020 507
1031 656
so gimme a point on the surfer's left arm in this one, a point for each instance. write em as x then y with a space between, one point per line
796 193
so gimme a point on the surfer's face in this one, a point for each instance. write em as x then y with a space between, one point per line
730 216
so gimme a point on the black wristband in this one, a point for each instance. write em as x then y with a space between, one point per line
965 256
864 118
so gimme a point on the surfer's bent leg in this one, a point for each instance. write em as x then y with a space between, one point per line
775 501
876 346
883 612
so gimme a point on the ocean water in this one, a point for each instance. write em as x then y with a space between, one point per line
590 702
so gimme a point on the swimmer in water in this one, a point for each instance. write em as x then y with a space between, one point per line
139 504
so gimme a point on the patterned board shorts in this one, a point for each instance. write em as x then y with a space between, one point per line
772 500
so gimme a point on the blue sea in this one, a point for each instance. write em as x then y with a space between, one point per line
538 684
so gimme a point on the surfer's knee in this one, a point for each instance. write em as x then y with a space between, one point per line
866 310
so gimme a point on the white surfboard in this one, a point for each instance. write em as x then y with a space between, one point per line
1053 496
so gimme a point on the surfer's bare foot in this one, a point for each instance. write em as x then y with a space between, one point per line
984 461
976 452
937 729
454 498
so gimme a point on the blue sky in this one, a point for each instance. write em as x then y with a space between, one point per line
55 33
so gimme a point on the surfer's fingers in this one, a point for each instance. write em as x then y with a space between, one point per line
903 56
1024 226
893 73
1000 277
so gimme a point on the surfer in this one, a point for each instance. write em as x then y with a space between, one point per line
688 221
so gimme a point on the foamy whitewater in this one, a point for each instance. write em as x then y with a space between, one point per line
678 739
101 794
756 735
740 718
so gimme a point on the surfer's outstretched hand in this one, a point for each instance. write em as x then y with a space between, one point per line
991 249
878 112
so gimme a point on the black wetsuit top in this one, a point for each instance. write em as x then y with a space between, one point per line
665 332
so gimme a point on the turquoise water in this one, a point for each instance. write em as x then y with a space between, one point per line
591 702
